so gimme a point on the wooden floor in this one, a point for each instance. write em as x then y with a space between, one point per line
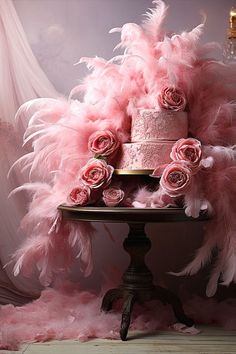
210 340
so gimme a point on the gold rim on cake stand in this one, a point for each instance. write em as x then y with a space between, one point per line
132 172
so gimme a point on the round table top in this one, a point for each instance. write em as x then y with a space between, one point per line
123 214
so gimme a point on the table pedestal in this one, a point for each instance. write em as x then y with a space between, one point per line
137 284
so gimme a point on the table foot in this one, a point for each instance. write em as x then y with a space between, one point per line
126 315
111 296
167 297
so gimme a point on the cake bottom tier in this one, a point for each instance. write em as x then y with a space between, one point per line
146 155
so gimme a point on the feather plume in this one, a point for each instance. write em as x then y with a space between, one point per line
154 20
220 231
31 187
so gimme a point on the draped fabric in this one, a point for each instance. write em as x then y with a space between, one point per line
21 79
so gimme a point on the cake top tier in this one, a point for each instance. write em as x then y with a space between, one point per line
153 125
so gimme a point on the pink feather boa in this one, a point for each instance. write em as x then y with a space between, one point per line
59 130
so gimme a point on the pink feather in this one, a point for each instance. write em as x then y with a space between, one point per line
154 20
220 231
58 131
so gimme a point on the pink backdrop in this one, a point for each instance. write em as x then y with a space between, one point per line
62 31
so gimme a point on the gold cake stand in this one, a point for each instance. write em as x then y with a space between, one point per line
133 172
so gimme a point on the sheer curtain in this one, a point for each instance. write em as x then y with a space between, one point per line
21 79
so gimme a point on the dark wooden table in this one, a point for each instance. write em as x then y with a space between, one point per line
137 281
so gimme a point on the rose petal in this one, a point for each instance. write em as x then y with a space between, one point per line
158 171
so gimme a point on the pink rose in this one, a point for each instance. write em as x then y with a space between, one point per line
113 196
188 150
172 99
103 143
96 173
176 178
79 195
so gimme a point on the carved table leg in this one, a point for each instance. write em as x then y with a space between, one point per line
126 314
111 296
137 282
166 296
137 277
